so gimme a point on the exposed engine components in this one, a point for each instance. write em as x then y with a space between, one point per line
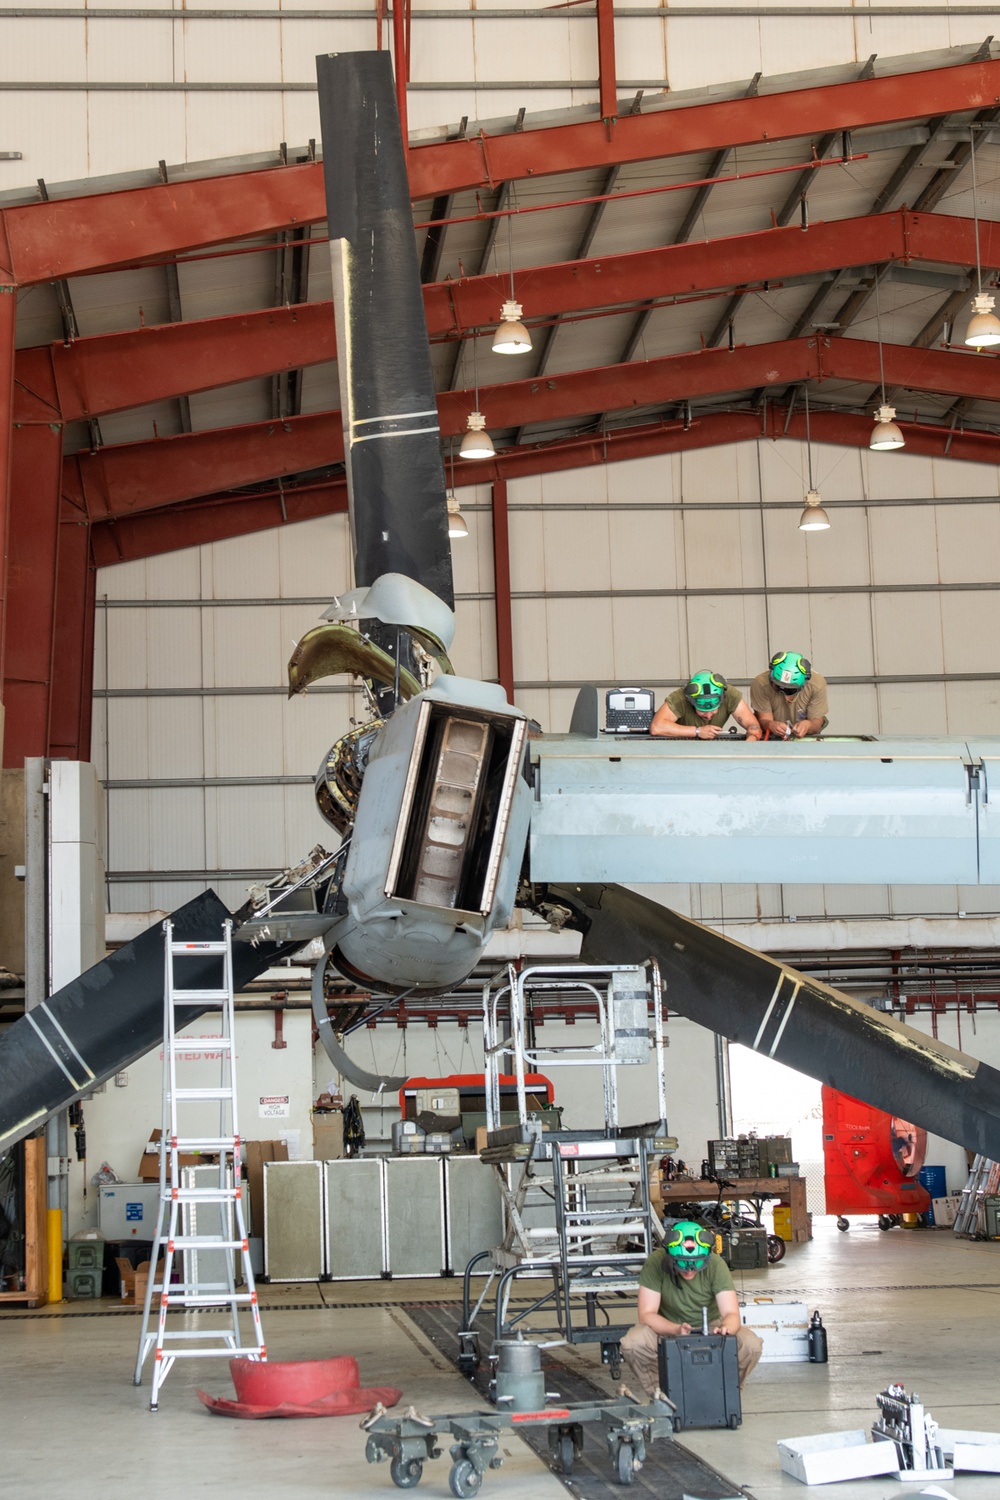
338 780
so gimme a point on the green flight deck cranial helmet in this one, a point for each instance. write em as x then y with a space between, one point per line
689 1245
704 691
789 671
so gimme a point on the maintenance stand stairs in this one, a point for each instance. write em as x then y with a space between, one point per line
186 1210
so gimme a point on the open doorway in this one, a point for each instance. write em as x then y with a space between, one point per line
771 1099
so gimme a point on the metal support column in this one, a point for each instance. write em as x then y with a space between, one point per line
8 305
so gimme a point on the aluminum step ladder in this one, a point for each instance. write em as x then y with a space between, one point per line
984 1178
193 1219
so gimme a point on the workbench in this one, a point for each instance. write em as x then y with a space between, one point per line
791 1189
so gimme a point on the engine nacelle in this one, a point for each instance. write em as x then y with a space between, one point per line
438 840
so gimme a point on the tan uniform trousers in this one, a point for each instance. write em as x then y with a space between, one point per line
639 1353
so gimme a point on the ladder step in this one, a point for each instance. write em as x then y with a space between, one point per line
253 1351
203 1195
192 1094
196 948
189 997
210 1299
203 1242
205 1143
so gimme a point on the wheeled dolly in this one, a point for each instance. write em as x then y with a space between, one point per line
409 1441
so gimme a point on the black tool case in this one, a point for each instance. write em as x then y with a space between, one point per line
700 1375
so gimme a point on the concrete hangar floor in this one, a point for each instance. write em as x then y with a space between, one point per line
920 1307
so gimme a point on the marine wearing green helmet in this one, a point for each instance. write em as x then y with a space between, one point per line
789 699
689 1245
789 671
701 708
705 690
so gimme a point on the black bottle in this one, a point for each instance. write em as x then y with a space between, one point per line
817 1340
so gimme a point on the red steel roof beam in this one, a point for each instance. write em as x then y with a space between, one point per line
73 236
606 70
8 305
32 570
93 376
135 477
71 707
224 516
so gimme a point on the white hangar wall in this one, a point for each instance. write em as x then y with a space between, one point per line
87 94
634 572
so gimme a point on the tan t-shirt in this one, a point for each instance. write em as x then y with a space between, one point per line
810 703
685 712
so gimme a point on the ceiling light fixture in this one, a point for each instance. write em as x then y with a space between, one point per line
457 524
511 337
477 442
983 331
885 434
813 517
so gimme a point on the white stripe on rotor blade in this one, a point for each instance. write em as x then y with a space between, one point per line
767 1014
69 1044
374 437
784 1020
399 416
46 1043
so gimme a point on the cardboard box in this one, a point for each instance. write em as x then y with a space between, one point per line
135 1280
328 1135
149 1162
481 1134
943 1210
258 1152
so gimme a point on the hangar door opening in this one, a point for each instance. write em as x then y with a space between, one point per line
771 1099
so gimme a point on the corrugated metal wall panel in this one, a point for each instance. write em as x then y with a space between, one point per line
531 641
314 558
244 737
908 633
311 724
727 635
650 640
904 551
968 542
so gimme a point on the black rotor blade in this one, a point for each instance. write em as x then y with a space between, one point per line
802 1022
109 1016
392 443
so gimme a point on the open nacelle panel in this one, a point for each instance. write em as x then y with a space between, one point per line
456 806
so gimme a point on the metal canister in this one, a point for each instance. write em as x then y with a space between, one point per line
520 1384
817 1340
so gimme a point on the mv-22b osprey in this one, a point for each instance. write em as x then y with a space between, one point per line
452 809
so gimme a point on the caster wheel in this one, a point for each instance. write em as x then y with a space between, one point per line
626 1467
464 1479
373 1453
775 1249
405 1472
734 1421
843 1225
566 1453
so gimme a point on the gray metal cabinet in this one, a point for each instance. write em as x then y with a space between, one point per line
414 1215
293 1220
208 1269
355 1223
473 1209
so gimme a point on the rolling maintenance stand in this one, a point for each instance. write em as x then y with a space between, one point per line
600 1229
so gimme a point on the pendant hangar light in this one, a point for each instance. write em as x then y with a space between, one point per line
477 442
983 331
813 517
457 524
511 337
885 434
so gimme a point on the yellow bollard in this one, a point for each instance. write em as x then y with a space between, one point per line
55 1247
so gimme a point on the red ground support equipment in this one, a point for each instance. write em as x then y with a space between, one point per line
871 1160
